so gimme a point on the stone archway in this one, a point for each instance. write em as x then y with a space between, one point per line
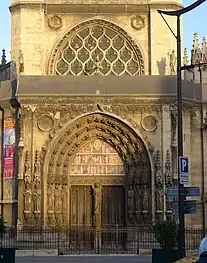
135 178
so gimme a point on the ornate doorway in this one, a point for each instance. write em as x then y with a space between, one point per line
98 199
97 172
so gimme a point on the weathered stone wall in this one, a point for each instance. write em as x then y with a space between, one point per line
28 39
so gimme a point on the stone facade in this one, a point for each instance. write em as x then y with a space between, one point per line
124 125
36 44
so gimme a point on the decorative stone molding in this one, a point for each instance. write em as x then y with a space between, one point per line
27 206
173 115
149 122
37 188
55 22
168 171
168 179
45 122
150 146
158 184
138 22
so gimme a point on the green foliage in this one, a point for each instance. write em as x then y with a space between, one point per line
2 227
166 233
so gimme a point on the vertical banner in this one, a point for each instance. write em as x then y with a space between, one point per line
9 147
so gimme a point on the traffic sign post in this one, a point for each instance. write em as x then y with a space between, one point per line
183 169
184 165
190 207
186 191
183 178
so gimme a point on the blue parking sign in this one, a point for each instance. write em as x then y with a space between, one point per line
183 165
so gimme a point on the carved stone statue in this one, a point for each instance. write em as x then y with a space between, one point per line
64 199
169 178
50 198
159 199
172 62
27 201
21 61
168 204
98 199
145 198
37 202
159 179
130 198
98 196
58 198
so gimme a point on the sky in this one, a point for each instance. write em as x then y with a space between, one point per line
193 21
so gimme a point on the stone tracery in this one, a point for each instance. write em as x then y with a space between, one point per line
96 47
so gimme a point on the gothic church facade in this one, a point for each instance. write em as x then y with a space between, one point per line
98 137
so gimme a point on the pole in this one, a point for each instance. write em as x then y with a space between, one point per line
181 243
2 161
202 154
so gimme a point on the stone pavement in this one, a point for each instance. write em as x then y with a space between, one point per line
86 259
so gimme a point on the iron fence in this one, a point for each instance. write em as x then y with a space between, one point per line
85 240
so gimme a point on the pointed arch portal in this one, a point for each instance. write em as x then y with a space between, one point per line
97 172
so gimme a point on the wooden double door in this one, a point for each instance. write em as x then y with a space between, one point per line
86 210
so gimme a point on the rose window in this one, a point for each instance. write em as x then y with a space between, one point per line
97 48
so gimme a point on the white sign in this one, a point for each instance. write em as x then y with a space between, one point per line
183 165
183 178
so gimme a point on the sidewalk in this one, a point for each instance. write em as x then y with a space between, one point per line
86 259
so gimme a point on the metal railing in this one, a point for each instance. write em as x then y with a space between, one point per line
87 240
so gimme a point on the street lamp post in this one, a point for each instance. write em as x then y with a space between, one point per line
181 198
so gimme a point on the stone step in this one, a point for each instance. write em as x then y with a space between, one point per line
37 253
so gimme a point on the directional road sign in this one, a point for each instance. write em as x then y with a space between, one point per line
183 165
190 207
187 191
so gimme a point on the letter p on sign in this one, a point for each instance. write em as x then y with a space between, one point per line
184 165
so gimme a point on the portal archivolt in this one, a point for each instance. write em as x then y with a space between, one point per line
64 178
